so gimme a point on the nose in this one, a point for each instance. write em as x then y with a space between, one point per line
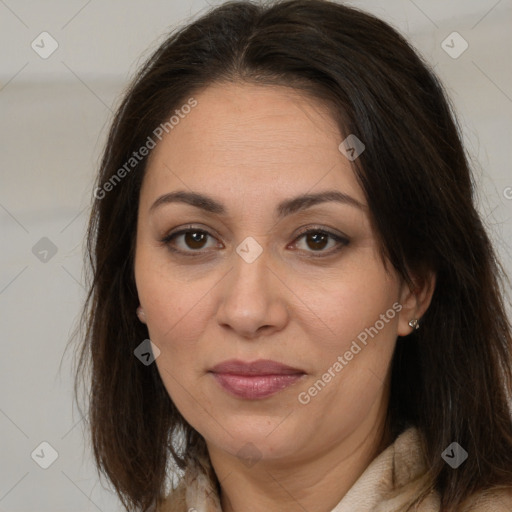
252 298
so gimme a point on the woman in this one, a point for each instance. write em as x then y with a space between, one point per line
284 208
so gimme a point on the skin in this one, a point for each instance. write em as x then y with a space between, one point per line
250 147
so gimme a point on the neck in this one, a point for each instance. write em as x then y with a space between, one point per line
313 483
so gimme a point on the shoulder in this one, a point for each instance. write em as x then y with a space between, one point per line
497 499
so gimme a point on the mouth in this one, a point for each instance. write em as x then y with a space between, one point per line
255 380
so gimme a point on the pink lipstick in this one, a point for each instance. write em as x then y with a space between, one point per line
257 380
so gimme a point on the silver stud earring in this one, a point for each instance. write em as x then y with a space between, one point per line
141 315
414 323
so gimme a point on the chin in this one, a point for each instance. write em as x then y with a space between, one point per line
256 438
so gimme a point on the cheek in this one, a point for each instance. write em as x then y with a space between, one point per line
346 305
177 312
175 315
351 344
176 318
352 359
167 298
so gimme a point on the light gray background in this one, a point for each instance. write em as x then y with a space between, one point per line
54 116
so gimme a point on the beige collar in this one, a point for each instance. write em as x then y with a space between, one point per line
391 482
399 467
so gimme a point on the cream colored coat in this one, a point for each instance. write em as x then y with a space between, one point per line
400 469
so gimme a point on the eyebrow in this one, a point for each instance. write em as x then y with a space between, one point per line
284 208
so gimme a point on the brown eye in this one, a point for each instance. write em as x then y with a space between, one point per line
194 239
187 240
193 242
316 240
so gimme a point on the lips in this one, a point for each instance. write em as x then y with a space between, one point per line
255 380
260 367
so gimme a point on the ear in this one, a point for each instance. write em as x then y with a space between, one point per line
415 301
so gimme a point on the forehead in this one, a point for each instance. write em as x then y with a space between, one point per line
257 141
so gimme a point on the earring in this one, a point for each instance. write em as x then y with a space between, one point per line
141 314
414 323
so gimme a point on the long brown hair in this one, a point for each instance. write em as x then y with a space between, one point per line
452 378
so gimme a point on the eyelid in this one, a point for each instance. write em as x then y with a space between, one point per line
321 229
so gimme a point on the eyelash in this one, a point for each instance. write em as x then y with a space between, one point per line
341 241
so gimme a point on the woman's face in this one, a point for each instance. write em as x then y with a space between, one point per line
244 284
